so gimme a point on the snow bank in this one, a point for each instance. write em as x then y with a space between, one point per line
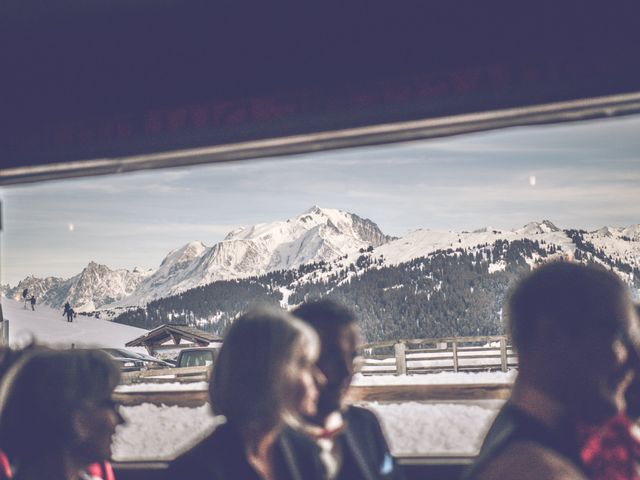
163 387
434 429
161 432
441 378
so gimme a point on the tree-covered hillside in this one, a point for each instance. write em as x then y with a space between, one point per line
452 292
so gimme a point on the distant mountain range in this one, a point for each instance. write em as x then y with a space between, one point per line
327 238
316 235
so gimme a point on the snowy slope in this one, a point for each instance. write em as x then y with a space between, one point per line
176 267
318 234
46 325
423 242
618 243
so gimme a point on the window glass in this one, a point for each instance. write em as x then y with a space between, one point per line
420 239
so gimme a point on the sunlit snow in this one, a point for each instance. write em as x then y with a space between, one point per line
48 326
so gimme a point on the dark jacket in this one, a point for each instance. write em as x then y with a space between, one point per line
512 425
221 456
365 452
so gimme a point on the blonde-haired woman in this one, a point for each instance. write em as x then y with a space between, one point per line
264 378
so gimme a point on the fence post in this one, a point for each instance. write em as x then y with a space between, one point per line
4 332
503 353
454 345
401 359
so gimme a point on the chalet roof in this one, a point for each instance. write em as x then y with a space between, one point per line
174 331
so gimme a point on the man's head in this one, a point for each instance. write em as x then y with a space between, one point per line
577 336
339 337
633 392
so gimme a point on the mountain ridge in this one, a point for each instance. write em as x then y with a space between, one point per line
317 236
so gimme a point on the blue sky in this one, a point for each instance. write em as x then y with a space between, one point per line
582 175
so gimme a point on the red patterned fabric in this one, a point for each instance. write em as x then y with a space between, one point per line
5 468
610 451
101 470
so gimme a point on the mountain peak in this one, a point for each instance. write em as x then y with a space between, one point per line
314 209
184 253
95 266
536 228
330 213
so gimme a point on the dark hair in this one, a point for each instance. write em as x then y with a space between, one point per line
41 392
249 381
325 314
9 356
577 299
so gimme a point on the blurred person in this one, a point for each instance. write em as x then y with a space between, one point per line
350 439
57 417
8 357
264 378
25 297
577 338
633 392
32 300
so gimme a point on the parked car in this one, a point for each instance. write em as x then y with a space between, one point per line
197 357
130 361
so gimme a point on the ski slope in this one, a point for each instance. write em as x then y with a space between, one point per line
48 326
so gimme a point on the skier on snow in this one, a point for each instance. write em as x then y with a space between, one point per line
68 311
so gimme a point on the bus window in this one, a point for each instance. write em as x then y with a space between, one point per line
421 239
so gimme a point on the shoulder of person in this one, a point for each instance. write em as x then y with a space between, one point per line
366 431
360 417
194 459
527 460
293 434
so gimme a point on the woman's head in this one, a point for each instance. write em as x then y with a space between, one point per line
54 402
265 371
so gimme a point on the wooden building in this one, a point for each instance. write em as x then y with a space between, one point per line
171 337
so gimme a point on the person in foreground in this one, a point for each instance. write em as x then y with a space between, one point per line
264 378
56 413
350 439
577 338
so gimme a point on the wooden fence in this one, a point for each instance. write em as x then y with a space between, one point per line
432 355
167 375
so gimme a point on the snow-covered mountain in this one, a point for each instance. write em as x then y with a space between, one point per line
423 242
426 284
328 236
95 286
40 287
319 234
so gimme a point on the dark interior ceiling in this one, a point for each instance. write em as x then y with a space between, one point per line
88 80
